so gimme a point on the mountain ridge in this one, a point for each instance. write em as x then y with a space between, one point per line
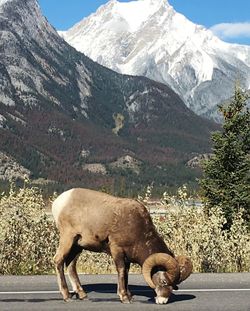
165 47
58 111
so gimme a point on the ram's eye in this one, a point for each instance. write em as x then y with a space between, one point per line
164 283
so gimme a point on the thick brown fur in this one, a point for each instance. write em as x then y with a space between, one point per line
99 222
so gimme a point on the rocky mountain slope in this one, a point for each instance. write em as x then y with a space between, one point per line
59 111
149 38
10 170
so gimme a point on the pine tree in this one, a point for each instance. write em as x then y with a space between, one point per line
226 181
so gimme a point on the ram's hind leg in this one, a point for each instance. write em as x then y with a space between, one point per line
73 276
65 244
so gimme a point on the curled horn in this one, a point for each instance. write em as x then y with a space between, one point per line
186 267
160 259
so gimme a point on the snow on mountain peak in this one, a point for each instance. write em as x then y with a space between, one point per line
136 12
133 14
149 38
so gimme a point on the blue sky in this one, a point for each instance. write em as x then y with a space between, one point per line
229 19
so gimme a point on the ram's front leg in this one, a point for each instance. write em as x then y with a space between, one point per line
122 291
122 271
127 266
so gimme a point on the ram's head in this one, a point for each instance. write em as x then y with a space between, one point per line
163 273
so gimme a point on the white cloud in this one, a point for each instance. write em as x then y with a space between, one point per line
231 30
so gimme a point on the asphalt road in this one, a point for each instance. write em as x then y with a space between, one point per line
215 292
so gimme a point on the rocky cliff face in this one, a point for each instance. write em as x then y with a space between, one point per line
11 170
149 38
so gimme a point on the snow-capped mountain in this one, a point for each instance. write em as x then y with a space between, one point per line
149 38
61 112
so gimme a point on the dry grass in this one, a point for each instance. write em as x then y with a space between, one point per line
28 237
201 237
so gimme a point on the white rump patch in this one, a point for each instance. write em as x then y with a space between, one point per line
59 203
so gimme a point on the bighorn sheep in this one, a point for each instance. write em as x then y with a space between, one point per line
123 228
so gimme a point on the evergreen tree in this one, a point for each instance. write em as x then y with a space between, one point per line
226 181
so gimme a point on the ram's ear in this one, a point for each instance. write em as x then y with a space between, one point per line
186 267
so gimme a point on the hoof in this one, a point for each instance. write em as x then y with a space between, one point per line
126 299
130 296
68 299
81 295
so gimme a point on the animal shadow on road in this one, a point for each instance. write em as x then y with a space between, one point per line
108 288
136 290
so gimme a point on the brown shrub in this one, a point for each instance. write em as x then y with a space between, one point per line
28 237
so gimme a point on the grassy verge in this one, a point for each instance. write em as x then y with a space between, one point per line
28 238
